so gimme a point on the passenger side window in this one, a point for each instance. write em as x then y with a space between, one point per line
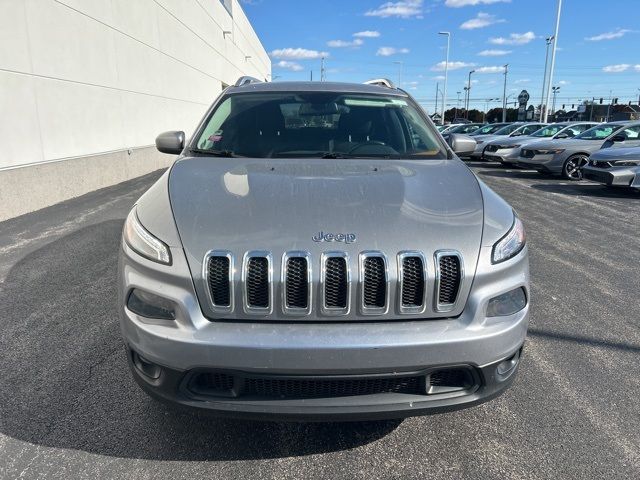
632 133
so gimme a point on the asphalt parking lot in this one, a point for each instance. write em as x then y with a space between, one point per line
69 408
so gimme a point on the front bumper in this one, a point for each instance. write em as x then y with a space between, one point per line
615 177
313 350
543 163
502 155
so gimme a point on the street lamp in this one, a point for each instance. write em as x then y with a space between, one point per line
399 63
468 95
446 72
553 57
555 91
544 81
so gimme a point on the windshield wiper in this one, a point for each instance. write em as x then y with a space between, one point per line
335 155
214 153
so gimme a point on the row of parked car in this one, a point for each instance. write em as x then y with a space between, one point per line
608 153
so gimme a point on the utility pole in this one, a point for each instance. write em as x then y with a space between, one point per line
504 94
553 107
553 57
469 94
544 80
446 71
457 106
609 106
435 110
322 69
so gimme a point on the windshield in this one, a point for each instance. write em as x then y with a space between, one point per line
489 129
549 131
508 129
464 129
599 132
317 124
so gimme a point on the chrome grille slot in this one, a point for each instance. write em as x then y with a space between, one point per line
449 273
257 279
296 283
374 283
218 274
412 282
335 283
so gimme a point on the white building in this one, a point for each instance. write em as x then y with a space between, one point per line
86 85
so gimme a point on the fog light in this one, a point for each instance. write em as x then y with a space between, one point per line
150 305
146 367
507 303
506 368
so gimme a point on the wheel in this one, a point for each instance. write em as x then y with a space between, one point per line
572 168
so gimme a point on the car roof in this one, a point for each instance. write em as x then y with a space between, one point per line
335 87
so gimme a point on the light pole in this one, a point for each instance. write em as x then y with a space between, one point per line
544 80
504 94
458 105
555 91
399 63
468 95
486 109
446 72
553 58
435 110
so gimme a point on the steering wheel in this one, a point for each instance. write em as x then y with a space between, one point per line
366 144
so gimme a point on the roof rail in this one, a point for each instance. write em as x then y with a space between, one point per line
246 80
381 82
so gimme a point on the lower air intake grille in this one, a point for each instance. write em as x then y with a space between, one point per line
449 279
257 282
219 281
374 283
297 291
412 282
335 287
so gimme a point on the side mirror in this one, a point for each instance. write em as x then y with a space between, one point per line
562 135
462 145
621 137
170 142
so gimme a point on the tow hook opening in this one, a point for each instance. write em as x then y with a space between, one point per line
507 367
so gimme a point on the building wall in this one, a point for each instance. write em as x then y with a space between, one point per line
85 80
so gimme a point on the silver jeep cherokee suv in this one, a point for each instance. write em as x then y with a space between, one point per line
318 252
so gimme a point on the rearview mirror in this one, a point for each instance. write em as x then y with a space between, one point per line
461 145
170 142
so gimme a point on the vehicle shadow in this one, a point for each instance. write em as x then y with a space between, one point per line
514 172
65 382
588 189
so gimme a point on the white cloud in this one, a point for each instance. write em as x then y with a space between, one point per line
367 34
636 68
563 82
402 9
344 44
297 54
438 77
465 3
514 39
388 51
620 67
608 35
494 53
293 66
522 80
490 70
439 67
481 20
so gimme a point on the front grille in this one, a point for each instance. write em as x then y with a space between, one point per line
296 281
335 283
450 380
218 278
413 282
257 282
449 279
525 153
374 282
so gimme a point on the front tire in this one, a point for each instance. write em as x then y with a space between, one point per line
572 168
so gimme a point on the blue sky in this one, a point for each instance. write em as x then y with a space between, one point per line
598 44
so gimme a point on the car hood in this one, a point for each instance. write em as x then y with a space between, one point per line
569 144
507 141
623 153
279 205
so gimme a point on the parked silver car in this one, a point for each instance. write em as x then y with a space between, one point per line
317 251
567 157
615 167
507 150
512 130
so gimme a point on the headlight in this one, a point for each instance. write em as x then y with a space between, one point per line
507 146
142 242
550 151
507 303
511 244
479 141
626 163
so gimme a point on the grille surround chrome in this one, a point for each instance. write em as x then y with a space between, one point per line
364 309
400 281
248 309
286 309
205 275
446 307
324 309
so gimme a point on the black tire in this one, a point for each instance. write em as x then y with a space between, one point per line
572 168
